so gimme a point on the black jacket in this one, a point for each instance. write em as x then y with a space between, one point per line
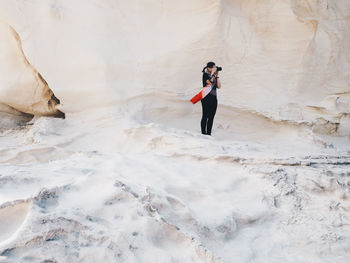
206 77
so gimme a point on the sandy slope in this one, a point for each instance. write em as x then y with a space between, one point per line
156 193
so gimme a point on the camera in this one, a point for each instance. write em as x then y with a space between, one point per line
218 68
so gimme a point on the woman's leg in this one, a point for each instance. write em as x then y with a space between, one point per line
204 115
211 114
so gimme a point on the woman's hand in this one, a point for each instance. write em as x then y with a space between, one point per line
216 75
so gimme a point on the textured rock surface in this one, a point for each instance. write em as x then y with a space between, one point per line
22 87
127 176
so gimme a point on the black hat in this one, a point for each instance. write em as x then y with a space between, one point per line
209 65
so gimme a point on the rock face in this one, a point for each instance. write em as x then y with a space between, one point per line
286 59
23 88
127 176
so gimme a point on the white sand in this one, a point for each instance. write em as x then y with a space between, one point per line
127 176
12 217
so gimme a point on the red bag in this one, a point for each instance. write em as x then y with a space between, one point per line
199 96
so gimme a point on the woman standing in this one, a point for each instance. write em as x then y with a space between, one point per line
209 102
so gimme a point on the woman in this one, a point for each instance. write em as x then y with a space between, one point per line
209 102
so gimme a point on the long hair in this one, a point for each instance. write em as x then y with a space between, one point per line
209 65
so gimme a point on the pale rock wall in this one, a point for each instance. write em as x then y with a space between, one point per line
22 89
288 60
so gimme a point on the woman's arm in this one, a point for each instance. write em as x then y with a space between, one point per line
211 81
218 83
207 80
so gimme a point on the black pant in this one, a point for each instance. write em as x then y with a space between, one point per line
209 105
